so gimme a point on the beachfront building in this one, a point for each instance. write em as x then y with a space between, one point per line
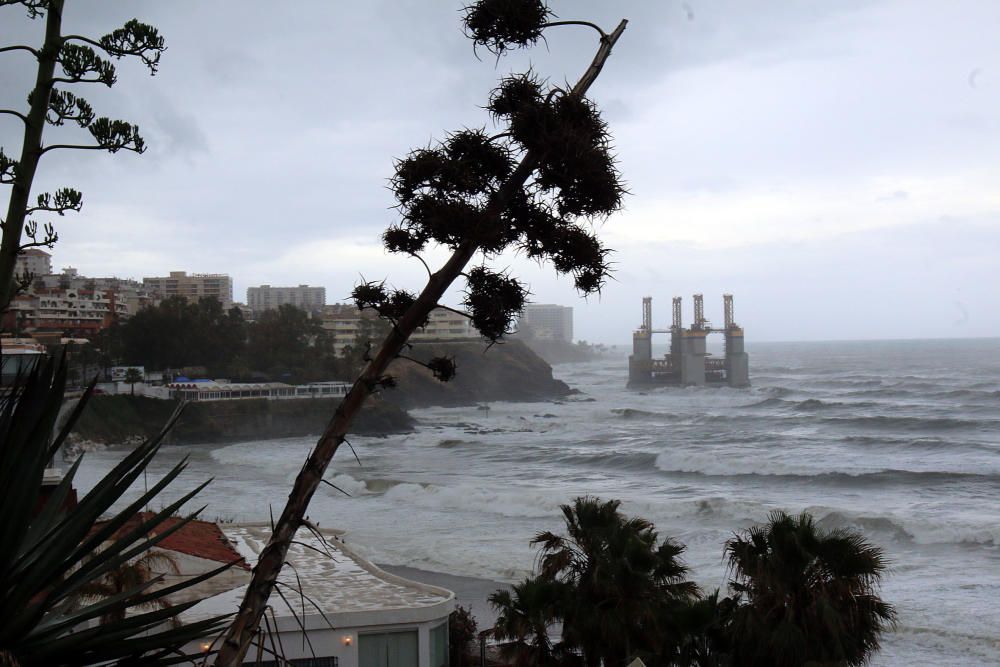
216 390
355 615
267 297
193 287
546 321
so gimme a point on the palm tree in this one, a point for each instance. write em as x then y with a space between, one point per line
132 576
622 578
526 613
805 595
133 375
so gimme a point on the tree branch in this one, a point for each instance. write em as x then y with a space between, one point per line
265 575
20 47
11 112
454 310
421 260
82 147
85 40
38 244
132 39
596 27
60 79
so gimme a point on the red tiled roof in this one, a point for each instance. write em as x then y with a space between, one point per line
197 538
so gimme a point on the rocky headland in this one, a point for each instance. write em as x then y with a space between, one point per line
506 372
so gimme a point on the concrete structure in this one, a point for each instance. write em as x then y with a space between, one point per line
547 321
219 390
130 292
688 361
305 297
195 548
34 261
444 324
193 287
79 312
345 322
355 615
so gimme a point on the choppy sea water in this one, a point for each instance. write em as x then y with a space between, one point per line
899 439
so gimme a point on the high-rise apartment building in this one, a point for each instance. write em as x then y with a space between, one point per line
194 287
547 321
305 297
34 261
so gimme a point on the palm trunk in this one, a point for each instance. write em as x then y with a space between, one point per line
265 574
31 151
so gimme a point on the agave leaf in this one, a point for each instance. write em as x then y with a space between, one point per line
119 552
72 418
135 598
50 514
50 552
25 445
59 555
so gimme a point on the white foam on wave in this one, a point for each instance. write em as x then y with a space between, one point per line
825 459
476 499
265 454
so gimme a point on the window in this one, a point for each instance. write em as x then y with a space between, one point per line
439 646
390 649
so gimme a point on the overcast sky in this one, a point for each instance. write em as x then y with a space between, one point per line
834 165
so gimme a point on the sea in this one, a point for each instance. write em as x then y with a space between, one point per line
897 439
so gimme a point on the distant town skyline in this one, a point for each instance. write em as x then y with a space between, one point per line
832 165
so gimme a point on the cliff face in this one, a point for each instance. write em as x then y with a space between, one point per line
116 419
506 372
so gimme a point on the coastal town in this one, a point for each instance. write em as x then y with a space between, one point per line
314 334
66 308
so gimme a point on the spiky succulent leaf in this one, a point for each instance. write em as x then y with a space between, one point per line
52 551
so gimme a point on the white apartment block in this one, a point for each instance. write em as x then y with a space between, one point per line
34 261
547 321
130 292
444 324
267 297
194 287
344 322
69 311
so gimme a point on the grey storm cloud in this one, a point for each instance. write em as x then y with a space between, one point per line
795 153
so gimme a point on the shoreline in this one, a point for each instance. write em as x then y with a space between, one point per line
470 592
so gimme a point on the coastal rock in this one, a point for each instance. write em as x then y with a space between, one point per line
113 420
509 371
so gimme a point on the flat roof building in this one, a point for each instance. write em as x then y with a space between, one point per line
356 614
266 297
194 287
547 321
34 261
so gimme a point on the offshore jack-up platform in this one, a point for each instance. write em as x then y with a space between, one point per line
688 362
